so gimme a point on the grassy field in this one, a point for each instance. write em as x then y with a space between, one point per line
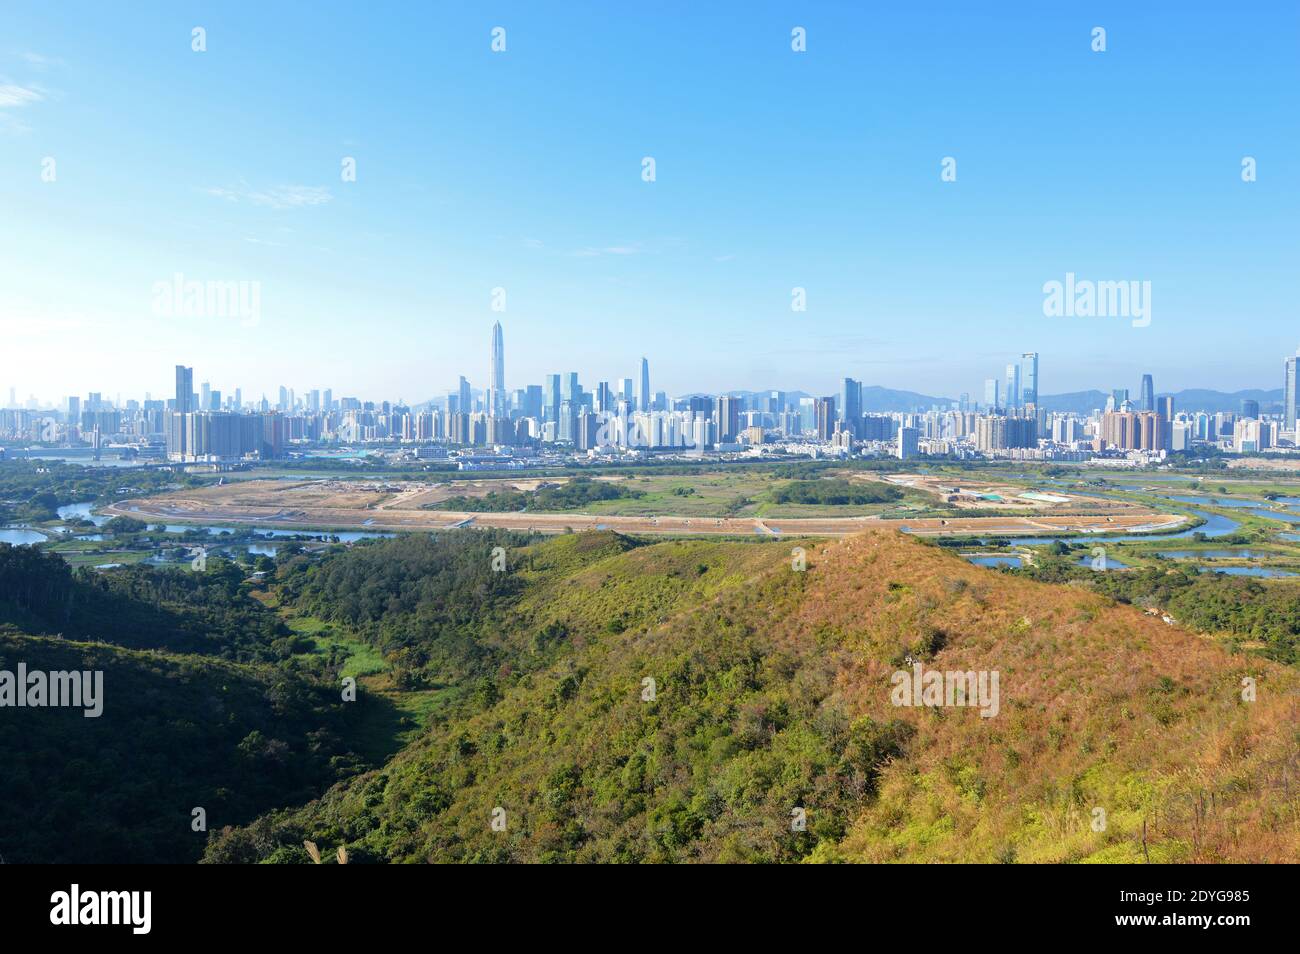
734 494
362 659
390 727
78 557
708 495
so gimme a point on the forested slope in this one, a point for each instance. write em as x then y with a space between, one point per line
771 694
176 733
205 704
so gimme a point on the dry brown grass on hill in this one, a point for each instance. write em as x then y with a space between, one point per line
1102 707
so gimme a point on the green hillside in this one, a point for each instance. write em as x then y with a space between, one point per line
209 701
176 733
772 695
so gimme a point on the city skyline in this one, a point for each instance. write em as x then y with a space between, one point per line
1019 388
560 416
564 391
526 199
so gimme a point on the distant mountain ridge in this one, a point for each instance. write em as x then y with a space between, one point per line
1191 399
874 398
882 399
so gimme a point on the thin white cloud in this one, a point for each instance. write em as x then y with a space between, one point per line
12 124
276 197
39 61
592 251
13 95
588 251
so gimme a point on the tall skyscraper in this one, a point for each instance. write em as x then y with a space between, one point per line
533 402
1013 386
551 398
643 398
908 442
1148 396
567 421
184 389
990 393
185 400
1029 378
728 412
851 403
464 397
1289 393
825 412
497 373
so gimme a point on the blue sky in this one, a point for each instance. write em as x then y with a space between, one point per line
522 170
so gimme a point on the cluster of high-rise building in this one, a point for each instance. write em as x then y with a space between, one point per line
560 415
1018 390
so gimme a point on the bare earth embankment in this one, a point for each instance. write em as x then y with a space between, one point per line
377 506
